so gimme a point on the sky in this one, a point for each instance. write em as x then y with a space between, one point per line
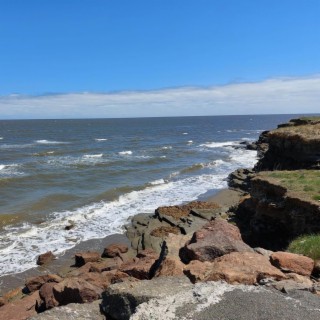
135 58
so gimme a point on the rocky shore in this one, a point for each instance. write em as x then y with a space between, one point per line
224 258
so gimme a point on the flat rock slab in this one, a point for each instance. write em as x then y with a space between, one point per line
121 300
73 311
221 301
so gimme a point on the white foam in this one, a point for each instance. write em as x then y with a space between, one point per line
219 144
50 142
157 182
10 170
1 138
124 153
101 139
190 142
185 133
2 166
93 155
166 148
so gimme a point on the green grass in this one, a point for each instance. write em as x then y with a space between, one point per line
306 183
308 245
306 131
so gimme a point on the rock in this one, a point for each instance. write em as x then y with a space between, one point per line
171 266
175 243
72 290
106 265
241 179
316 268
73 311
82 258
299 279
264 252
121 300
198 271
178 212
290 285
220 301
164 231
45 258
100 280
122 277
21 309
2 301
291 262
114 250
140 267
244 268
214 239
35 283
47 296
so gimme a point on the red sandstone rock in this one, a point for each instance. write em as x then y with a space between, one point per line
35 283
106 265
82 258
20 309
122 277
140 267
291 262
47 296
216 238
45 258
73 290
197 271
101 280
171 266
243 267
114 250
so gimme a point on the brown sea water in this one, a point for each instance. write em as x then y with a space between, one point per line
96 173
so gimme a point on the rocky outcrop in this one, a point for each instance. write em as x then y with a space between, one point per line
35 283
216 238
174 298
82 258
272 216
292 146
73 311
241 179
115 250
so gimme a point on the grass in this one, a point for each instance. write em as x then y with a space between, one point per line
306 183
307 131
308 245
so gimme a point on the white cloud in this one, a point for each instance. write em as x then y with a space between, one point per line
279 95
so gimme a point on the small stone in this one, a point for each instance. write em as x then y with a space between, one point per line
45 258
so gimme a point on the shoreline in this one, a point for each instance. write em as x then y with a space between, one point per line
63 263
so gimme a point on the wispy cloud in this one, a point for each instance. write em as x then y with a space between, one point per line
278 95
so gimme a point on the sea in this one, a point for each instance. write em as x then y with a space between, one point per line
96 174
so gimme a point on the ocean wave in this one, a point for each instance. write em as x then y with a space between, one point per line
100 139
190 142
16 146
88 156
10 170
166 148
185 133
125 153
50 142
219 144
101 218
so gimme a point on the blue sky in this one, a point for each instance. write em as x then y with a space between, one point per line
68 47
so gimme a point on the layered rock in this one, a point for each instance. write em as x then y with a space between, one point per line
216 238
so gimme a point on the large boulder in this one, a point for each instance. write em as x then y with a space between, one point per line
47 296
35 283
21 309
243 268
291 262
170 266
140 266
73 311
72 290
121 300
176 299
82 258
197 271
214 239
